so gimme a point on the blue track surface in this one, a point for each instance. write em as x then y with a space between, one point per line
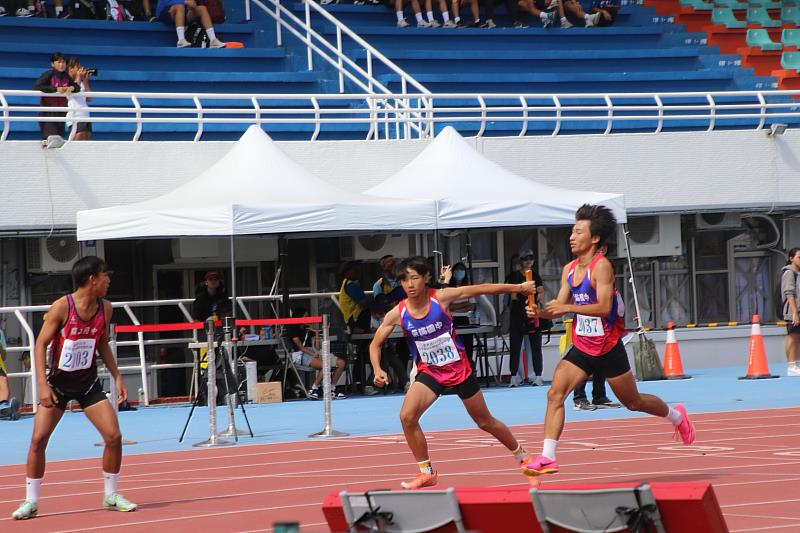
156 429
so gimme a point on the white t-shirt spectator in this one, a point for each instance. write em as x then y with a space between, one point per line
78 108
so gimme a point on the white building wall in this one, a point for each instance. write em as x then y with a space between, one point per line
657 173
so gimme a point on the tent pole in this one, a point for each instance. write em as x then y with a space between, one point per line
470 276
233 280
438 263
282 257
639 326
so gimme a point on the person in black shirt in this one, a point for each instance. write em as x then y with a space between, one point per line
211 298
520 325
56 81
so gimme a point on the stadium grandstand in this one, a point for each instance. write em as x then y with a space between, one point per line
271 162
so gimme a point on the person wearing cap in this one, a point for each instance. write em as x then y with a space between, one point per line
521 328
211 298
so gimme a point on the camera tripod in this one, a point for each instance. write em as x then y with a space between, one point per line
232 392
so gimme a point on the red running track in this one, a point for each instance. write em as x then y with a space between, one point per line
751 457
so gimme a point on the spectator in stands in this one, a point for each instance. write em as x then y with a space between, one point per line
304 343
603 12
522 330
432 22
37 8
457 23
78 101
183 12
539 9
211 300
56 80
401 21
790 278
513 11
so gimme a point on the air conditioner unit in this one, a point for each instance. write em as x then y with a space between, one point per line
58 254
706 221
376 246
651 236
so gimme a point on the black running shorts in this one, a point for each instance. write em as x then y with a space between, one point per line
612 364
85 398
465 390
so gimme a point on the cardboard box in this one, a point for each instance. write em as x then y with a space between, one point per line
269 392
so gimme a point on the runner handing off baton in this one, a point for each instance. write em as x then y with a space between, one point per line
588 291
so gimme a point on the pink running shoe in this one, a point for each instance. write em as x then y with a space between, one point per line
685 430
540 465
421 481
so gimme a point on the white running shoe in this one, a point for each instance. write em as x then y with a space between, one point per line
434 24
216 43
424 24
115 502
28 509
449 24
566 24
402 23
183 43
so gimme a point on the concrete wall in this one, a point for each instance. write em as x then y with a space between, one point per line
657 173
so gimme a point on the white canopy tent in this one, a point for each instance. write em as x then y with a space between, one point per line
471 191
255 189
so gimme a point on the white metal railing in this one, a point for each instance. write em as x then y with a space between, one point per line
514 113
336 57
23 315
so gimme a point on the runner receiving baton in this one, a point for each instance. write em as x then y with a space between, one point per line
441 359
588 291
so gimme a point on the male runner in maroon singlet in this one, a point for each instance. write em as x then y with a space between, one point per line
77 325
588 291
441 359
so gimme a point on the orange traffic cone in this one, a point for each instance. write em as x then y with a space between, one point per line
757 360
673 368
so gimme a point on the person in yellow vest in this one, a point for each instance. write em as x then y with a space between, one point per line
354 305
352 299
387 282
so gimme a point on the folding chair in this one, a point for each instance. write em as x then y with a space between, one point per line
401 512
598 510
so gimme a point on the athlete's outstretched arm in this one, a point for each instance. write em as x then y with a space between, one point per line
108 355
446 296
390 320
55 317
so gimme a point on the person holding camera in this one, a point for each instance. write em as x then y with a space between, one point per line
55 81
78 102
